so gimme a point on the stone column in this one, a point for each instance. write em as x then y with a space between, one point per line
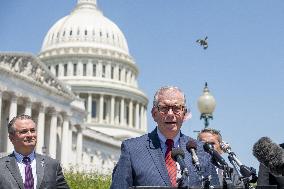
137 117
60 70
13 107
130 114
1 126
116 112
69 68
142 117
99 69
40 129
112 109
145 120
79 145
28 108
80 68
52 69
123 72
89 68
0 113
53 135
12 114
101 109
90 100
115 74
122 111
66 143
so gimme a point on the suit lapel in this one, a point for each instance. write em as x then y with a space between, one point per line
40 165
154 148
183 141
14 170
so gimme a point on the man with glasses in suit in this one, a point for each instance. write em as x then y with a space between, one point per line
146 160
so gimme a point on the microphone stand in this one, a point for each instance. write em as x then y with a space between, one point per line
184 180
227 182
243 172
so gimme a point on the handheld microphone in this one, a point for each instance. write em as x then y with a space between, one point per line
178 155
210 149
192 147
270 154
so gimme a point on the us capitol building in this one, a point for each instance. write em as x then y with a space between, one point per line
81 89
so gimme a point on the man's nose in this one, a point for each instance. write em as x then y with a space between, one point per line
170 111
30 133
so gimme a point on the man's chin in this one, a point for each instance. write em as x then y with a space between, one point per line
171 126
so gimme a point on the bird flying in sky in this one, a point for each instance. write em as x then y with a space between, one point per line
203 42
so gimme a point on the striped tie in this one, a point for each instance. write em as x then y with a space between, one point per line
170 163
29 180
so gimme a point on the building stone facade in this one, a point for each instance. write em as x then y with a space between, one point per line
81 90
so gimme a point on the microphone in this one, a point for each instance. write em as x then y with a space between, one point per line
244 170
210 149
192 147
178 155
225 146
270 154
227 149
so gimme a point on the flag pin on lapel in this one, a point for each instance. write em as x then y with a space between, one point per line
42 163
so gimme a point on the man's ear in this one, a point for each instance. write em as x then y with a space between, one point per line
154 113
11 137
187 116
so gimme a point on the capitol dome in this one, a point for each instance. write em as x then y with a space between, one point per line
89 53
86 26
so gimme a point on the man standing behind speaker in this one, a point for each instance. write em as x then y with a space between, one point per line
24 168
146 160
265 177
214 137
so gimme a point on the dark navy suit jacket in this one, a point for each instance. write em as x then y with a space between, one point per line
142 163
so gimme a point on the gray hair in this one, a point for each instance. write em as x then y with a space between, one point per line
212 131
165 88
11 124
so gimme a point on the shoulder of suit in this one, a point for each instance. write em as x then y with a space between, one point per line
6 157
136 139
46 158
282 145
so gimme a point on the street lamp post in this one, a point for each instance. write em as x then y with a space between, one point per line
206 105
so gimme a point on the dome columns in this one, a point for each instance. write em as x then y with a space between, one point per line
113 110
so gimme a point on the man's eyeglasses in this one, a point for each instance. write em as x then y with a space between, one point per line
176 109
26 131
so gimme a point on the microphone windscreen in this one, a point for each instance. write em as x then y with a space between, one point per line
208 147
176 152
270 154
191 145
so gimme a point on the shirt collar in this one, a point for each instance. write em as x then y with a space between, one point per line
19 157
163 138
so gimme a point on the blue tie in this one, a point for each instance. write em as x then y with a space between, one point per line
29 179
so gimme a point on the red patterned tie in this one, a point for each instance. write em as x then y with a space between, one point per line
170 163
29 180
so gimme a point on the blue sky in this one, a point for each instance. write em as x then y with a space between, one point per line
243 65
